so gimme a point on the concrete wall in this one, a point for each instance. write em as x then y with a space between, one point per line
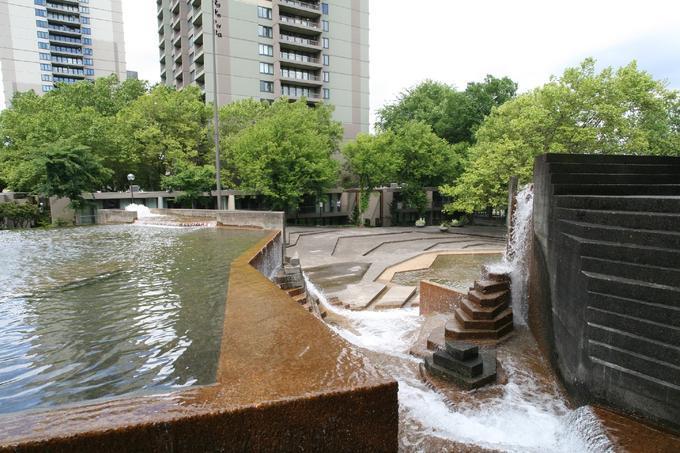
115 217
436 298
605 279
267 220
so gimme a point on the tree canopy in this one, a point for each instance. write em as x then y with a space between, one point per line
623 111
453 115
412 155
282 151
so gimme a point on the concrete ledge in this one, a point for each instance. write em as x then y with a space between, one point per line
267 220
284 382
436 298
115 217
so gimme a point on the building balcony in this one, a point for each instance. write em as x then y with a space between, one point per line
176 23
62 19
177 39
309 81
174 7
177 56
57 8
296 42
71 72
65 39
197 20
196 3
198 36
299 25
70 31
302 62
199 55
61 50
300 8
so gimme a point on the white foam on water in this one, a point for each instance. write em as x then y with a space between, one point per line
516 258
523 418
141 210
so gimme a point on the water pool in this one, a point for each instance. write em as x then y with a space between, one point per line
96 312
456 271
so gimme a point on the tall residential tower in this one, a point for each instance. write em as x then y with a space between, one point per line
271 48
43 42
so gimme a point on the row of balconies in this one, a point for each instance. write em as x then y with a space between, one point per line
62 8
63 18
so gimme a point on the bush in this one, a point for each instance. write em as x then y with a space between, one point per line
15 215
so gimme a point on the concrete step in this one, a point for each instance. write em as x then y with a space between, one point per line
615 178
613 168
642 364
454 330
488 375
620 203
395 297
631 288
653 238
436 340
468 368
489 299
476 311
633 342
632 253
483 324
491 286
461 351
664 314
616 189
301 298
610 159
292 292
647 329
650 274
623 219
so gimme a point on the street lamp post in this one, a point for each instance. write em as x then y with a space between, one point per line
131 179
216 112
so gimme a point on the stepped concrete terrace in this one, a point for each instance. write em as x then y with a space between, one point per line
605 279
354 266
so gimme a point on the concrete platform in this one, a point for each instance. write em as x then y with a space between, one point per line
395 297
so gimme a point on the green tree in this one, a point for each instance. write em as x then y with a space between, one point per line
452 115
161 134
193 180
372 158
286 154
623 111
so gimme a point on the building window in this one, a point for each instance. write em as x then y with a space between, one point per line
264 13
266 68
326 25
87 51
326 76
88 61
46 77
43 35
85 10
47 88
326 60
43 45
324 8
40 12
84 20
41 23
44 56
45 67
89 72
266 87
87 41
326 43
86 31
39 2
326 93
266 50
265 32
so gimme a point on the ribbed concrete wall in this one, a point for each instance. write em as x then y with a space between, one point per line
605 279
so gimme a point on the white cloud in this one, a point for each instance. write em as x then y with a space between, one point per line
462 41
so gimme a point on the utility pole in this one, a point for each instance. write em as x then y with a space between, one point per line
216 111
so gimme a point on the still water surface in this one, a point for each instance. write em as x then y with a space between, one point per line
97 312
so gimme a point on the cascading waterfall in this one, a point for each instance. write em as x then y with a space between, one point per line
516 258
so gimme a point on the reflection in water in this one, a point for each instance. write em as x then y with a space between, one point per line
105 311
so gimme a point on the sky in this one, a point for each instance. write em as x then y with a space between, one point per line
460 41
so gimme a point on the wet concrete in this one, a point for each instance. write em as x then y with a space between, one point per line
284 382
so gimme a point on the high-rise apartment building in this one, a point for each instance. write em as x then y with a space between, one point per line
271 48
43 42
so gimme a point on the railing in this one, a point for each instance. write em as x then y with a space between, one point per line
299 21
298 40
304 77
63 28
63 18
301 4
298 57
72 9
71 50
65 39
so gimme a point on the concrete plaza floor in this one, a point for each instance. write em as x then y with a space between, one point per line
354 266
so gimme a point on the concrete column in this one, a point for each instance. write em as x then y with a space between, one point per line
231 203
160 203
